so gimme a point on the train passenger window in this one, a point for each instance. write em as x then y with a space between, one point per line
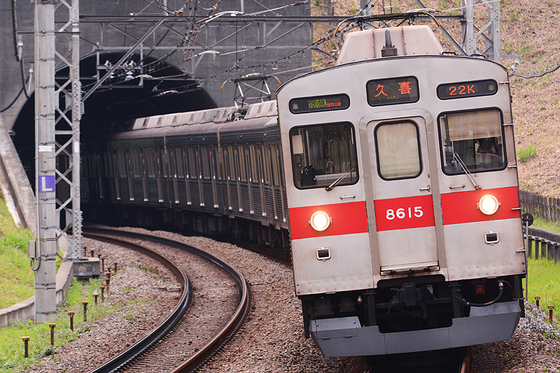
218 162
151 163
172 162
143 163
159 165
324 154
255 164
259 165
121 164
136 162
232 155
114 165
238 158
108 165
192 164
225 164
211 163
205 153
243 162
180 164
276 171
267 165
162 162
130 166
472 141
398 151
198 162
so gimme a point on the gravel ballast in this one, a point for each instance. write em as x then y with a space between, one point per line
271 339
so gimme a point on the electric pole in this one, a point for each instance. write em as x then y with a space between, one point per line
58 110
45 180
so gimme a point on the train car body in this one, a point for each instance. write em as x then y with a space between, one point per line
200 172
403 201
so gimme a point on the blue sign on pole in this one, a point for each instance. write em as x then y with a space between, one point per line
47 183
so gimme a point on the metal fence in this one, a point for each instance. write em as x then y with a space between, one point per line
543 243
545 207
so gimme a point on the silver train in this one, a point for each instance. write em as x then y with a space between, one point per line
391 177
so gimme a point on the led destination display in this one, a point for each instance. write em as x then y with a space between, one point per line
319 103
467 89
392 91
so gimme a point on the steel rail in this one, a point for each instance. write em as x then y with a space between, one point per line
231 327
162 329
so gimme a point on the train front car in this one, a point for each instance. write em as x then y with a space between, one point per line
402 190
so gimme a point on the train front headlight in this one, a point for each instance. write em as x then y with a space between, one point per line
488 204
320 221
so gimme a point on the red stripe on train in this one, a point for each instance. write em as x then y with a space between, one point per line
347 218
461 207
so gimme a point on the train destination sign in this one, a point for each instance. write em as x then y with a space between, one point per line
319 103
392 91
467 89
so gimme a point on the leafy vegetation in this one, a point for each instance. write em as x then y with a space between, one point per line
527 153
12 346
16 281
544 281
544 275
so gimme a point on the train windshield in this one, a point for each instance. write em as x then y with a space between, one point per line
324 155
472 141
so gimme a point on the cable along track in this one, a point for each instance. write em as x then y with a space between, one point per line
176 344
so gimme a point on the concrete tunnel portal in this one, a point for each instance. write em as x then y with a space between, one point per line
129 94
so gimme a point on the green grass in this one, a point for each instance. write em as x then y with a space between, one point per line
16 282
12 346
544 224
544 281
527 153
544 275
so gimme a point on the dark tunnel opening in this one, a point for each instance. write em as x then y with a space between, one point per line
136 89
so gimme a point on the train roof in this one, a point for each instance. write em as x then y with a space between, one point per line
389 42
219 115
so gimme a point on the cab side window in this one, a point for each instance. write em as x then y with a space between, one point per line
321 154
472 141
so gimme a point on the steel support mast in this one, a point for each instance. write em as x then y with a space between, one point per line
57 121
67 132
46 246
490 32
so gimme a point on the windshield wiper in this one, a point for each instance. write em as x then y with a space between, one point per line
338 180
457 158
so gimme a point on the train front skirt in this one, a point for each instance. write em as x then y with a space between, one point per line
493 323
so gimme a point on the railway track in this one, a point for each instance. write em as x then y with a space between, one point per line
196 328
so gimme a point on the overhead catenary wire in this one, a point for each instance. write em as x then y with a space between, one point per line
195 26
532 75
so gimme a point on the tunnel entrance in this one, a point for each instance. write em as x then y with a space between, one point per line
137 88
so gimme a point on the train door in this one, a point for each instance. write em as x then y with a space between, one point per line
401 188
